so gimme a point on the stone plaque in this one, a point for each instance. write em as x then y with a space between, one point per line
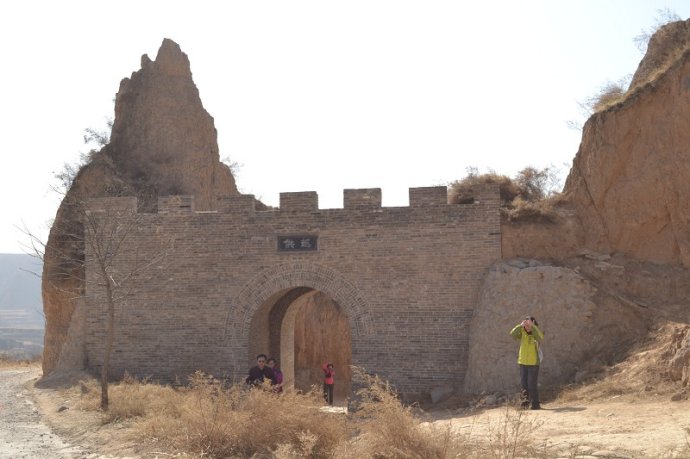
296 243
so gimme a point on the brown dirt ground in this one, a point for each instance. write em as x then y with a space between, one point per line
624 412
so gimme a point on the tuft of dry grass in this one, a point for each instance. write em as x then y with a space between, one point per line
608 95
462 191
130 398
542 211
512 435
613 93
386 428
668 62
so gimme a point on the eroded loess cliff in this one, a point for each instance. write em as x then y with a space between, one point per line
163 142
628 191
630 179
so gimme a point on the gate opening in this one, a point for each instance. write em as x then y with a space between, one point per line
304 328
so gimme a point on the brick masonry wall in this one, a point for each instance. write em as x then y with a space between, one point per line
407 278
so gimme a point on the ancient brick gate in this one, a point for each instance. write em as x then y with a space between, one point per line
406 279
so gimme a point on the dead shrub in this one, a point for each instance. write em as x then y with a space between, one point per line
608 95
462 191
513 435
388 429
542 211
131 398
529 196
213 421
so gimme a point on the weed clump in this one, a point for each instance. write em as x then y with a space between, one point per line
529 196
387 428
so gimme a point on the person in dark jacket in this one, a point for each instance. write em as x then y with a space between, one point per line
260 372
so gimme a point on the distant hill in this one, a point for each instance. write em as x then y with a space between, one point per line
20 291
21 308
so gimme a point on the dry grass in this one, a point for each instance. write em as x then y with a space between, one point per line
512 435
387 428
608 95
542 211
9 362
209 420
529 196
667 63
644 373
613 93
206 419
462 191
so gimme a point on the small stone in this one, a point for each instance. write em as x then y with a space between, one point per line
62 408
491 400
440 393
604 453
679 396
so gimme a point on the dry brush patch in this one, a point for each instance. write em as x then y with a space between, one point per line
530 196
208 419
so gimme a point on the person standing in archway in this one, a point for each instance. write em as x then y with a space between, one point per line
277 375
260 372
530 337
328 382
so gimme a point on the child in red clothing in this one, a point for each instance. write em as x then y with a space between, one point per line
328 374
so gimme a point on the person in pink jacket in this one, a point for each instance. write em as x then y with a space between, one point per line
328 381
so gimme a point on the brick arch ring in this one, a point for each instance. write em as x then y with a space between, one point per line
299 274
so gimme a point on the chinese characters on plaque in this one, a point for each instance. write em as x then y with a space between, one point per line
296 243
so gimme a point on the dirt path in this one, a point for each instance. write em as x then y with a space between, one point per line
22 432
614 428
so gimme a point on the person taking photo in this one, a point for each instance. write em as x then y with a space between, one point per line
530 337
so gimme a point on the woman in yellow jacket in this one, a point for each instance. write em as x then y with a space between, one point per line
530 337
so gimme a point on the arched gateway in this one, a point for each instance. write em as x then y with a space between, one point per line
272 306
401 282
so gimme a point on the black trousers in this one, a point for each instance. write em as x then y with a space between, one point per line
328 393
529 379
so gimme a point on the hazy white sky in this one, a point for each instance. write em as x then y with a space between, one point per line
317 95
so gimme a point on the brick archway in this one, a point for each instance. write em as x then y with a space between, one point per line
300 274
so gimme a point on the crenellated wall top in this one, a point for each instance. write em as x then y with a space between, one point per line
304 201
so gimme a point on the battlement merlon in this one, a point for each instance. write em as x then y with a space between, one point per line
126 204
175 205
362 198
302 201
241 203
429 196
305 201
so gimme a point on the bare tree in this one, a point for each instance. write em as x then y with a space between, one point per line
112 262
102 254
